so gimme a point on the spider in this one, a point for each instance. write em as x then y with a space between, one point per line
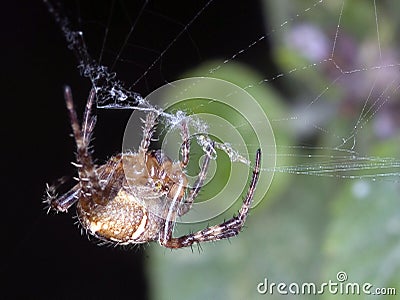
136 197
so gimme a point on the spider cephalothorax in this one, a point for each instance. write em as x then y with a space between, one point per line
136 197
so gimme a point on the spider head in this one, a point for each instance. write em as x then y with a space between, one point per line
168 176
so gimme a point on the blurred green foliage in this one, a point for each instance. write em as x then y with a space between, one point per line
308 228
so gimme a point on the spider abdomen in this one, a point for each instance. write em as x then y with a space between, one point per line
122 220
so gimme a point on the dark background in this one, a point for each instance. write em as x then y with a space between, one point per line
46 256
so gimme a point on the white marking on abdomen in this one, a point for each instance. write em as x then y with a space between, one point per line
141 227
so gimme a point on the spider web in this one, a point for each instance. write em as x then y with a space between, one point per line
335 120
349 75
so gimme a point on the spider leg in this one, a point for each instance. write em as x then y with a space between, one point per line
88 178
194 191
62 203
185 148
224 230
148 129
89 121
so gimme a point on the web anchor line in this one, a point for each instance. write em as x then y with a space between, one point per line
111 93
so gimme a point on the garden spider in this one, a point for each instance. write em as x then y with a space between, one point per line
117 202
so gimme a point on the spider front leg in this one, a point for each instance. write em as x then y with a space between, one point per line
185 148
89 187
194 191
148 129
224 230
88 177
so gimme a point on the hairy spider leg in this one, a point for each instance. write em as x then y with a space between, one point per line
194 191
60 203
88 178
175 208
148 130
86 168
224 230
89 121
185 148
